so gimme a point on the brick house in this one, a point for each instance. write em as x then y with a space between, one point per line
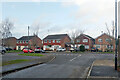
105 42
52 42
10 42
31 42
85 40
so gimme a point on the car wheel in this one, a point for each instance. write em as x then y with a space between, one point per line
3 52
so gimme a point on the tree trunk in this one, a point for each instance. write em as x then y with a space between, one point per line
119 53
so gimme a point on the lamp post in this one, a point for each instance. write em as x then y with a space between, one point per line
115 34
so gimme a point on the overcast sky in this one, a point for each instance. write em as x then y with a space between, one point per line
58 16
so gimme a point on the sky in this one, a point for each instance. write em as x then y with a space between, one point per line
58 16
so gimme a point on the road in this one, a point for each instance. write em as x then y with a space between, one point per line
64 66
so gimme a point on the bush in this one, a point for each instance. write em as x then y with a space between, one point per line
82 48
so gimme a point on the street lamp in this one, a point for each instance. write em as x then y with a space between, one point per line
115 34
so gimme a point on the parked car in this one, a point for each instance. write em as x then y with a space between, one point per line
2 50
27 50
9 49
60 49
94 50
71 49
39 50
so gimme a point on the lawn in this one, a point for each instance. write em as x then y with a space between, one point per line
14 51
31 54
14 62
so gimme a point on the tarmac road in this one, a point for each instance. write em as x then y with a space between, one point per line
65 65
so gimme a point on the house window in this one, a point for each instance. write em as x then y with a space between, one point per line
85 40
26 41
20 41
100 40
45 41
49 41
86 47
53 41
17 41
58 41
108 40
78 40
97 46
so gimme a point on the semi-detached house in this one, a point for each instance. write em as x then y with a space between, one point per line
52 42
85 40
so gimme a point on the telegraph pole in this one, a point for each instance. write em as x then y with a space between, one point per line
115 34
28 36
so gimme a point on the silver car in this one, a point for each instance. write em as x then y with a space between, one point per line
2 50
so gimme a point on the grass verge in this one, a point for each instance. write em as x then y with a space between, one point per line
106 52
14 51
31 54
14 62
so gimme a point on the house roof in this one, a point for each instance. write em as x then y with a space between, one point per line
26 37
57 36
86 36
104 34
11 38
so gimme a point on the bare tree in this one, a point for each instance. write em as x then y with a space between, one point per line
111 34
5 28
36 29
74 34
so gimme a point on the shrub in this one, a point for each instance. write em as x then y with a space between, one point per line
82 48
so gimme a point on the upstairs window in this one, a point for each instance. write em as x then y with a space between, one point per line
45 41
100 40
53 41
26 41
20 41
49 41
58 41
85 40
108 40
78 41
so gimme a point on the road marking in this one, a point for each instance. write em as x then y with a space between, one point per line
75 58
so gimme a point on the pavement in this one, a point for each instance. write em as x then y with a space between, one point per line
20 66
103 69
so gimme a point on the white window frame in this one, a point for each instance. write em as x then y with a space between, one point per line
100 40
58 41
78 41
85 40
53 41
45 41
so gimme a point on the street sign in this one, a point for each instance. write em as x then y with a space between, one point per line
119 18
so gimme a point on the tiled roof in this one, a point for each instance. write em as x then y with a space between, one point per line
86 36
57 36
26 37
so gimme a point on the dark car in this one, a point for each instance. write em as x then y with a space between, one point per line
9 49
39 50
94 50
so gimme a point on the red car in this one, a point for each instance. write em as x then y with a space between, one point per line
28 50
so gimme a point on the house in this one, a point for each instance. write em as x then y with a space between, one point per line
105 42
31 42
9 42
52 42
85 40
